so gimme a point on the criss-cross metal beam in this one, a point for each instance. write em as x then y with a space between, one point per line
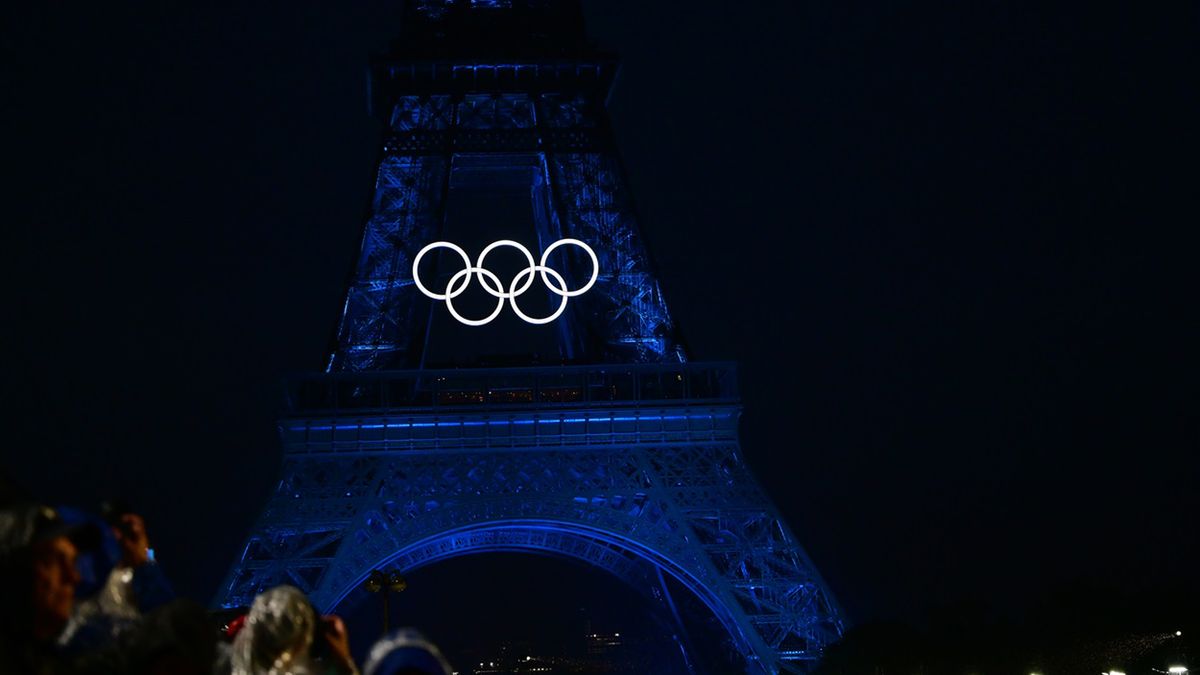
631 464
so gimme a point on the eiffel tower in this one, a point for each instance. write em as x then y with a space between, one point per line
591 437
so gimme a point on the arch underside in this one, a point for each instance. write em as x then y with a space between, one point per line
690 511
640 570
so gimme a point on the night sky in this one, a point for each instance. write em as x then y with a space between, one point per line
951 245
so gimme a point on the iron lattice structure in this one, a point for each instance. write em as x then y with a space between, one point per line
629 462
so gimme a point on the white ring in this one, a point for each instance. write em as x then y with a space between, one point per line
556 285
512 300
451 295
591 254
479 268
449 287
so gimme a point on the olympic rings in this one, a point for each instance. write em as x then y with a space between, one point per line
493 286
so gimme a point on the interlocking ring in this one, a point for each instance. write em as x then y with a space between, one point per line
493 286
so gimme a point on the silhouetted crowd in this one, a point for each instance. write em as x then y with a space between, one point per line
84 595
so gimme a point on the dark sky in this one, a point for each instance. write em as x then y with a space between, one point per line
952 246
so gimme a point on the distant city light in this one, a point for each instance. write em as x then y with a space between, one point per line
1177 670
1178 633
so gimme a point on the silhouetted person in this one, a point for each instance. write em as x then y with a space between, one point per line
149 584
282 634
406 652
38 576
134 586
175 639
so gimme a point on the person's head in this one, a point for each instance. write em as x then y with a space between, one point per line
38 567
277 634
406 652
175 639
54 579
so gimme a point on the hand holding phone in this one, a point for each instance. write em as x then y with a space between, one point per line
130 531
332 644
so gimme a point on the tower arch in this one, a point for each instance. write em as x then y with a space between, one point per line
626 560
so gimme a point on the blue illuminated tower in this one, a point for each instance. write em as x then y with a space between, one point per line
592 437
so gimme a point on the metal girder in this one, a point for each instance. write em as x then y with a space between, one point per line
381 305
349 503
623 319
